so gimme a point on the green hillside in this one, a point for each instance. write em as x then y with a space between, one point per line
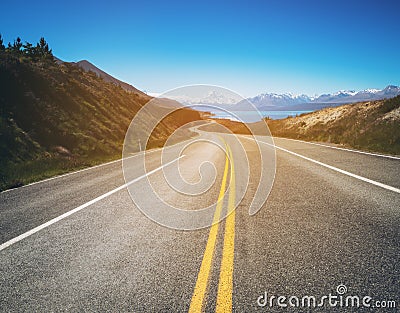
58 117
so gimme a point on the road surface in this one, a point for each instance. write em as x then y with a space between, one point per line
332 218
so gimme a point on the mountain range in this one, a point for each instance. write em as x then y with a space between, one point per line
271 101
208 95
281 102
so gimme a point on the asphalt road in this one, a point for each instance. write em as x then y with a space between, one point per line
319 228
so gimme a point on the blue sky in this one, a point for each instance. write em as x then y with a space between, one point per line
249 46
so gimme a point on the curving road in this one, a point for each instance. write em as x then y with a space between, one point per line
77 243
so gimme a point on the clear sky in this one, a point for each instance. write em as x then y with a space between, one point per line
248 46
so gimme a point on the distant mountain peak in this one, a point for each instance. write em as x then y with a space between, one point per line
370 90
274 100
87 66
211 97
391 88
345 93
84 62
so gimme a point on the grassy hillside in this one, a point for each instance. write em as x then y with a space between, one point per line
373 126
58 117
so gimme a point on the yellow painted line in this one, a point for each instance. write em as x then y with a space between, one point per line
225 286
196 304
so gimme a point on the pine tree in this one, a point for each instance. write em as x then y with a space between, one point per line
43 46
42 49
2 47
28 49
16 47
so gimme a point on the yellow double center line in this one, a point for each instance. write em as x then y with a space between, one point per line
225 286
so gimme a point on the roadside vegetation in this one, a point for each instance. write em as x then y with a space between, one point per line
55 117
372 126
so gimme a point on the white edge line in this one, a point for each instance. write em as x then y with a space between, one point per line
79 208
344 149
373 182
90 168
78 171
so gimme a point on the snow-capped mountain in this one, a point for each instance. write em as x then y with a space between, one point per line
342 94
389 91
363 95
207 95
218 96
214 97
271 100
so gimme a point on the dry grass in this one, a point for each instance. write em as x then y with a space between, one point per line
372 126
